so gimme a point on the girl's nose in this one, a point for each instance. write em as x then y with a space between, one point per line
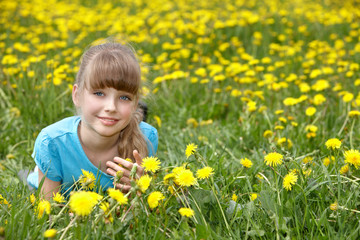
110 105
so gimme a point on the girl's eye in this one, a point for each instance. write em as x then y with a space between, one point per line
98 94
126 98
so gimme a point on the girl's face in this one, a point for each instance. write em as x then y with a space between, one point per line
104 112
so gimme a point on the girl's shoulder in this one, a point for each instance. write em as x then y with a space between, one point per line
62 127
147 129
151 137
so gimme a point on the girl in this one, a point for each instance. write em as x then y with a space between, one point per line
108 130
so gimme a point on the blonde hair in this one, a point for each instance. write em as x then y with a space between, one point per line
114 65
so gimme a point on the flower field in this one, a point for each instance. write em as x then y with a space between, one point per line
257 105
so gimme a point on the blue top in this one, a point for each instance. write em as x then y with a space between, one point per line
58 154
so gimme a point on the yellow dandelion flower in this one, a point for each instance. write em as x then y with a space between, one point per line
333 143
105 207
344 169
268 134
128 159
185 178
58 198
326 161
311 135
289 180
234 197
354 113
246 162
177 170
353 157
310 111
334 206
253 196
151 164
279 127
307 172
32 199
43 207
186 212
307 159
319 99
280 111
259 176
168 177
273 159
204 172
290 101
294 124
118 196
154 199
192 122
158 120
171 189
87 180
3 200
190 149
348 97
282 142
282 119
144 182
83 202
50 233
311 128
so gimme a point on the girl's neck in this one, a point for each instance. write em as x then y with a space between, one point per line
94 142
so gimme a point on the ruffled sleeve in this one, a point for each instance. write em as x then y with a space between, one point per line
46 157
151 137
153 140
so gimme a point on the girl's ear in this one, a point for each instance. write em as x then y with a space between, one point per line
75 95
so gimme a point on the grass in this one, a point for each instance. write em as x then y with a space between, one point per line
217 74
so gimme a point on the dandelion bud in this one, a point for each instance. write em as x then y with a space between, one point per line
50 233
334 206
118 176
133 171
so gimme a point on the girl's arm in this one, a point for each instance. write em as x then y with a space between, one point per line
49 187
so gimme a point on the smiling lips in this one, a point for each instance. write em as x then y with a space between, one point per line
108 121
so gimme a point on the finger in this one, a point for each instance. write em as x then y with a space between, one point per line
111 172
140 169
115 167
122 187
123 162
137 157
125 180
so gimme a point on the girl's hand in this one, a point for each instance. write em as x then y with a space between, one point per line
120 164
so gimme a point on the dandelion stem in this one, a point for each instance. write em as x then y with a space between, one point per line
59 214
233 180
68 226
142 201
352 210
343 126
351 132
188 205
268 120
127 212
197 206
217 199
306 155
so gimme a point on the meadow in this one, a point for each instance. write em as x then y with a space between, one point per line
257 106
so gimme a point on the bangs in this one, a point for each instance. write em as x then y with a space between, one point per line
112 69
